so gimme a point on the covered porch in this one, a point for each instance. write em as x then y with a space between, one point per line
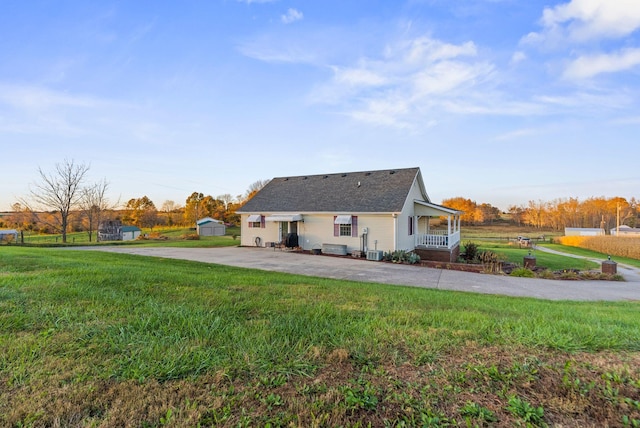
434 235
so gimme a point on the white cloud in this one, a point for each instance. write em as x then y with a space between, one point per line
517 57
589 66
408 80
292 15
584 20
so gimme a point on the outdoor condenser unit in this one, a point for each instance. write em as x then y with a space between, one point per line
375 255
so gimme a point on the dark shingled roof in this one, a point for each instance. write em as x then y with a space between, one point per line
365 191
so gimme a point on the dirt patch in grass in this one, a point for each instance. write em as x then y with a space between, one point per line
483 386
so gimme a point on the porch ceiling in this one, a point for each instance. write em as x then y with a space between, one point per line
422 208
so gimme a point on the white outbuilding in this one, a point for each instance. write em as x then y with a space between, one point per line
210 227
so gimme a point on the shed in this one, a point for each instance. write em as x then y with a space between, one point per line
130 233
583 231
210 227
8 234
626 231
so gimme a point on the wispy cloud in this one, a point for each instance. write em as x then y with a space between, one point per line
585 20
592 65
410 77
291 16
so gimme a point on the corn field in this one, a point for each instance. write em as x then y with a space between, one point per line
612 245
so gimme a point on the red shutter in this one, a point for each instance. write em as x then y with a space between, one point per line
262 221
336 227
354 226
250 223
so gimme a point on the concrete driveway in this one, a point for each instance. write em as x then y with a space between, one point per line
388 273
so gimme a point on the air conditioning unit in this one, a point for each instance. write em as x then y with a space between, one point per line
375 255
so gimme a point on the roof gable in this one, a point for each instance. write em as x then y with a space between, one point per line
364 191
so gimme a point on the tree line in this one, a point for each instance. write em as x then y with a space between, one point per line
62 201
595 212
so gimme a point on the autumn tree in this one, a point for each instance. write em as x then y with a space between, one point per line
141 212
198 206
59 192
467 206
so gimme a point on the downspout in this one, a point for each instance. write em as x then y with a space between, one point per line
395 231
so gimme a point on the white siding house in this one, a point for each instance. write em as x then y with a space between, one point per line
382 210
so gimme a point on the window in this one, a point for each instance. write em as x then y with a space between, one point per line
345 230
410 225
256 220
345 225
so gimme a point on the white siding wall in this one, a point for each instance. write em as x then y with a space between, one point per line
317 229
248 234
406 241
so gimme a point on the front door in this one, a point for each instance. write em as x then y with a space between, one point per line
284 229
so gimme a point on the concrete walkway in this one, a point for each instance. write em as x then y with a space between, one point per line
388 273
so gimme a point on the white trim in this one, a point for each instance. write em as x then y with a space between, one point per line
255 218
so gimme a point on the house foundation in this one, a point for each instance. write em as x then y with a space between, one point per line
439 255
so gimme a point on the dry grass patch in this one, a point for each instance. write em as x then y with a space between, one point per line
622 246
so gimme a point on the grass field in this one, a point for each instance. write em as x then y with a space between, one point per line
170 236
515 254
101 339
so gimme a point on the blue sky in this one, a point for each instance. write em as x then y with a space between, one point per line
499 101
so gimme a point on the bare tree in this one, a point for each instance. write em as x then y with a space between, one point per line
226 199
254 188
60 192
93 204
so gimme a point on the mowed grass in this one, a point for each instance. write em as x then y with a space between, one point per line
102 339
167 237
515 254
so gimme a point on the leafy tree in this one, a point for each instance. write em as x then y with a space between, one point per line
59 192
141 212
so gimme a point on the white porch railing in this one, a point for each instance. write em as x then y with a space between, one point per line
438 239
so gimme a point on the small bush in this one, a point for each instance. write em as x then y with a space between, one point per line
470 253
191 237
401 256
523 273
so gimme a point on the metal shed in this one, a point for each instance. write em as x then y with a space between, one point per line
210 227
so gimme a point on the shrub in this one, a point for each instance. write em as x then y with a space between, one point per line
523 273
490 261
191 236
470 252
401 256
413 258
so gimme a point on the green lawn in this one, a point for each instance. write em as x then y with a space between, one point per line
591 254
171 237
102 339
515 254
